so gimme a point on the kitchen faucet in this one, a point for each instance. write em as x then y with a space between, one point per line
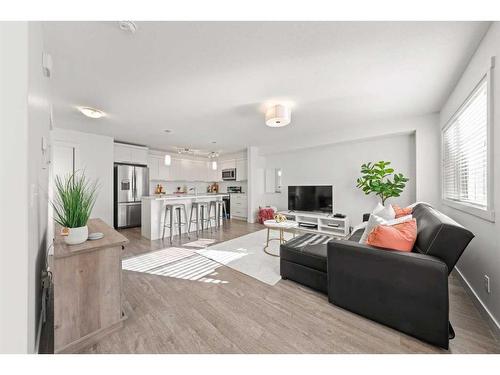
193 189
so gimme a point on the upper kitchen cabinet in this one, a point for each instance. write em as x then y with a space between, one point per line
241 170
157 168
130 154
227 164
239 164
214 174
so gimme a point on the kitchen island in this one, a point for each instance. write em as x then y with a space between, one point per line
153 211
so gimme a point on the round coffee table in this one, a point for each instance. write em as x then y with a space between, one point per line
282 227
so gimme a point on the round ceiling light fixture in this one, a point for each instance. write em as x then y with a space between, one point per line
129 26
277 116
91 112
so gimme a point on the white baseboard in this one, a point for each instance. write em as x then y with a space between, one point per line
492 322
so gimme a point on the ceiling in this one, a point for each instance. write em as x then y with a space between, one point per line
209 81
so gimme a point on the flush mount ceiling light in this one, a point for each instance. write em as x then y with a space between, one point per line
213 155
129 26
91 112
277 116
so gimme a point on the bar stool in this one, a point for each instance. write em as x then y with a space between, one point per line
200 209
170 208
214 215
219 206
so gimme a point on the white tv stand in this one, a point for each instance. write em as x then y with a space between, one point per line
324 223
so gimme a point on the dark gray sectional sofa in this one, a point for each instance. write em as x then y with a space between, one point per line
405 291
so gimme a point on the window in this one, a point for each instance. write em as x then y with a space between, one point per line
466 177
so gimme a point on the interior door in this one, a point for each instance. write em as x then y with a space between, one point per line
141 183
125 183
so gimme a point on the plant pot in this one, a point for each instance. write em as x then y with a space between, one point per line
77 235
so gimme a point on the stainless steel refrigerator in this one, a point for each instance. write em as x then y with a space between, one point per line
131 183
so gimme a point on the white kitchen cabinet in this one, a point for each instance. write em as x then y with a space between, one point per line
153 165
122 153
239 206
163 170
213 175
139 155
227 164
241 170
130 154
157 168
176 170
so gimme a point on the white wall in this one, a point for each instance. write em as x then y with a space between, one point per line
95 156
339 165
24 118
483 254
426 156
38 169
14 195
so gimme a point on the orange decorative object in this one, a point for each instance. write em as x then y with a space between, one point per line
64 231
400 237
402 211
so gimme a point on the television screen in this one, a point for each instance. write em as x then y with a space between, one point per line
310 198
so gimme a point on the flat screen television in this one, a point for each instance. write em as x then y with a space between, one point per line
310 198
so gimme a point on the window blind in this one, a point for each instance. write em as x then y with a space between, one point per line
465 151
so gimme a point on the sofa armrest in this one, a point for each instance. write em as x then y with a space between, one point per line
406 291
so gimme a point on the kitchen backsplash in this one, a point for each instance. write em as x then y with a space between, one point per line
201 187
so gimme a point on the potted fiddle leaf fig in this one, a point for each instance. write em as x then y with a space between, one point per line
376 179
75 197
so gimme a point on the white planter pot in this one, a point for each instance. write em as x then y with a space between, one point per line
77 235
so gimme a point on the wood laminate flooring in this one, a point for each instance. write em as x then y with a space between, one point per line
244 315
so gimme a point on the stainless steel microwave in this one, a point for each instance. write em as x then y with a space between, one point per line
229 174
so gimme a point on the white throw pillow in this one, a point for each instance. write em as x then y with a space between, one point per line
372 222
376 220
377 208
386 212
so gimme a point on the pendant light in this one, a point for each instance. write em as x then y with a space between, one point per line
168 159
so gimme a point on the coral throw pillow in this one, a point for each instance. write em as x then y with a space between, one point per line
400 237
402 211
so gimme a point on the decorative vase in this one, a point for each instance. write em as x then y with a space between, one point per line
77 235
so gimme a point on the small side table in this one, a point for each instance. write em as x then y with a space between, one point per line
282 227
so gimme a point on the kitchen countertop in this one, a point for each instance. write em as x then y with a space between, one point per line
185 196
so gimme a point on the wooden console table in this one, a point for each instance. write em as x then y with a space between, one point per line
87 288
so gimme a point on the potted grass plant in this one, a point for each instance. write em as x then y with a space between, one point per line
73 203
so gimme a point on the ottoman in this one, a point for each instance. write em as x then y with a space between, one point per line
303 259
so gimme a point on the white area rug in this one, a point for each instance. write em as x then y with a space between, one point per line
246 254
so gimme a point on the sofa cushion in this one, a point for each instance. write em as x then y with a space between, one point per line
356 236
439 236
308 250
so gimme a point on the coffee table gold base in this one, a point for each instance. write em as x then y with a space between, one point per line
281 239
